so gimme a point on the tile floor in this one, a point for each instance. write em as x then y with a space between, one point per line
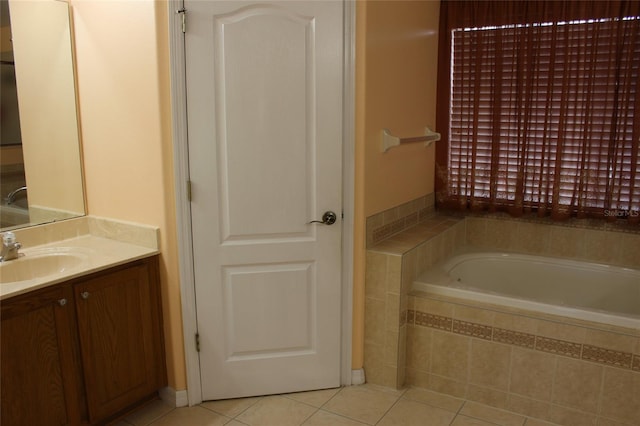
348 406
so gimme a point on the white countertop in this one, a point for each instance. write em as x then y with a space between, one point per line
96 252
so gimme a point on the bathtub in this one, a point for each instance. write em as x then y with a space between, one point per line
580 290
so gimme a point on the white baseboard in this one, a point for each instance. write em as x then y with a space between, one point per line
357 377
173 397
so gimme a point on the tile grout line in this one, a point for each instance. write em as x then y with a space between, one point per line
391 407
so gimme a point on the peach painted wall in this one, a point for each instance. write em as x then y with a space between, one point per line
396 69
123 82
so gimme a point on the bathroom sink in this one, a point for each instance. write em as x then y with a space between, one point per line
41 264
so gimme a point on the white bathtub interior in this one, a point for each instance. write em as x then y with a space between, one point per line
581 290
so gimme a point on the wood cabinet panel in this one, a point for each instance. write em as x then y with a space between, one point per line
82 351
39 369
116 318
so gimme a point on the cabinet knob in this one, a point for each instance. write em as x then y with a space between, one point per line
62 302
84 295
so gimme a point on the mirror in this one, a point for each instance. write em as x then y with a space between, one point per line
40 160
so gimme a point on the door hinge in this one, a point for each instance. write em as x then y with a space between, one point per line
188 190
198 342
183 15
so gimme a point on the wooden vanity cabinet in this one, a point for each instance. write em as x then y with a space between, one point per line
119 327
82 351
40 374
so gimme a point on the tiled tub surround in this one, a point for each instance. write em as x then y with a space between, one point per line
391 267
564 371
544 367
383 225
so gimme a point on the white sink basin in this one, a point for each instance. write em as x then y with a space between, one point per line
40 264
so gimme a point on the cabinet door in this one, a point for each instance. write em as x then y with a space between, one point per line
118 323
39 371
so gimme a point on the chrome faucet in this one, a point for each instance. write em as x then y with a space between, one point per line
12 195
10 247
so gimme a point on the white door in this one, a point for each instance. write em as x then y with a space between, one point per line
264 100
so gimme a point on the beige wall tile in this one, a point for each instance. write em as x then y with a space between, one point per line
502 234
424 258
515 323
460 237
577 384
609 340
475 315
621 395
402 357
391 348
389 377
447 386
600 246
565 242
532 373
558 331
438 254
451 358
435 399
417 378
376 275
409 268
569 417
374 320
392 312
434 307
374 363
390 215
629 253
419 347
528 406
487 396
532 238
476 231
394 273
490 364
373 222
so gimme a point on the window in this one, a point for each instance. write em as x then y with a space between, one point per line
540 108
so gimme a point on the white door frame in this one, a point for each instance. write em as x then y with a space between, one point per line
183 209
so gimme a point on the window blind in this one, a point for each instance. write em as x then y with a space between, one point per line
543 116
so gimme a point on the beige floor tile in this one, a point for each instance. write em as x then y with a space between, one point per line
187 416
436 399
315 398
276 411
470 421
490 414
325 418
230 407
148 413
536 422
363 403
409 413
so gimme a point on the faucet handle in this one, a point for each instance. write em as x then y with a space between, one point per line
8 238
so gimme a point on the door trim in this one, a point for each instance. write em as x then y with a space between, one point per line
183 209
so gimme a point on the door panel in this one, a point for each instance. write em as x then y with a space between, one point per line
264 90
